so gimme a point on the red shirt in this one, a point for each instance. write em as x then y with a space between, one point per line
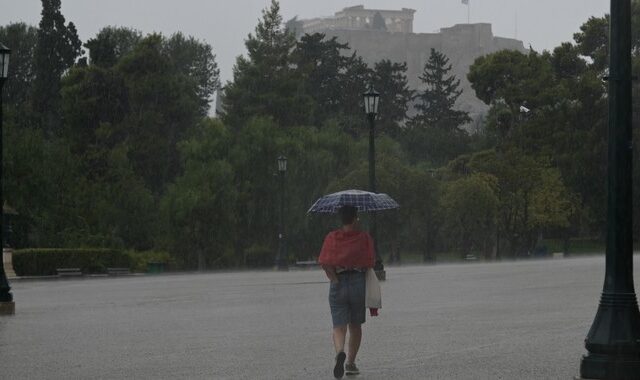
349 249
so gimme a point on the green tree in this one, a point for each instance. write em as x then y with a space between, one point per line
390 80
316 157
436 102
252 154
196 61
120 209
470 206
434 134
354 81
163 106
320 63
567 104
94 103
414 226
265 83
199 206
57 49
513 78
593 41
531 195
123 124
111 44
433 147
21 39
43 182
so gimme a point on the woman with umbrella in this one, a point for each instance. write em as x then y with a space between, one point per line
346 255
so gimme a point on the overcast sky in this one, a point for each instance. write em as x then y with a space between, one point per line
225 23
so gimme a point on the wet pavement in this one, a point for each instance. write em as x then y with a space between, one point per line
518 320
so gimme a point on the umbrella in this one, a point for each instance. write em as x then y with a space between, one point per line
362 200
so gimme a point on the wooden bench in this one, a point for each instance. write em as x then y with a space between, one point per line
118 271
308 264
69 272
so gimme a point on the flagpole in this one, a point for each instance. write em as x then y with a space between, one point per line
468 12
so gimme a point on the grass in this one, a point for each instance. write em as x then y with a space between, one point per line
577 246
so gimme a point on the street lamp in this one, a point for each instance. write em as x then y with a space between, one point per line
613 342
7 306
281 259
371 99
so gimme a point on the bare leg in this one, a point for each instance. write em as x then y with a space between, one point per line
355 336
339 337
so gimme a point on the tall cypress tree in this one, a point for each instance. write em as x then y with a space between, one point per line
57 49
435 103
434 135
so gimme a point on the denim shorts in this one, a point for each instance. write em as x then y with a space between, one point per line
346 299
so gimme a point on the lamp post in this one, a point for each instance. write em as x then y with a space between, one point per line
371 99
613 342
7 306
281 259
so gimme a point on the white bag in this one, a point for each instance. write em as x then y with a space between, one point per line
373 296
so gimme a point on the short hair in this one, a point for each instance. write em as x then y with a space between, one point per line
348 214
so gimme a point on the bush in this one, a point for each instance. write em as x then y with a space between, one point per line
259 256
140 259
44 261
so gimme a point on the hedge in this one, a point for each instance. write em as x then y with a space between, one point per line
140 260
44 261
259 256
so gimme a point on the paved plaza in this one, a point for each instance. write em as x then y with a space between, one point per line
518 320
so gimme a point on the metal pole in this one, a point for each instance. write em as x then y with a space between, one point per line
378 267
613 341
281 261
372 153
6 298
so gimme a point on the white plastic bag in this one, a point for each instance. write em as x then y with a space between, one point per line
373 296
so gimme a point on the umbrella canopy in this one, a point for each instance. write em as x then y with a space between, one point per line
362 200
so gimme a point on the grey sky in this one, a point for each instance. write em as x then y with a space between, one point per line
225 24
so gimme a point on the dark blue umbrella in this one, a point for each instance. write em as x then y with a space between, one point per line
362 200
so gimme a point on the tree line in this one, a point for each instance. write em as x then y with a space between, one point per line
109 143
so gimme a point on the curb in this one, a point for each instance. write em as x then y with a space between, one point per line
84 277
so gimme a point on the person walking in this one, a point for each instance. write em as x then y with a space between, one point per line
346 255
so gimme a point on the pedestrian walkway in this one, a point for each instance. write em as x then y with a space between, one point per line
520 320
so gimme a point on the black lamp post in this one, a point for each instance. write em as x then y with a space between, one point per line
371 100
281 259
613 341
7 306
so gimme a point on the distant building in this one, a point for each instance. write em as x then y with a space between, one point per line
359 18
386 34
